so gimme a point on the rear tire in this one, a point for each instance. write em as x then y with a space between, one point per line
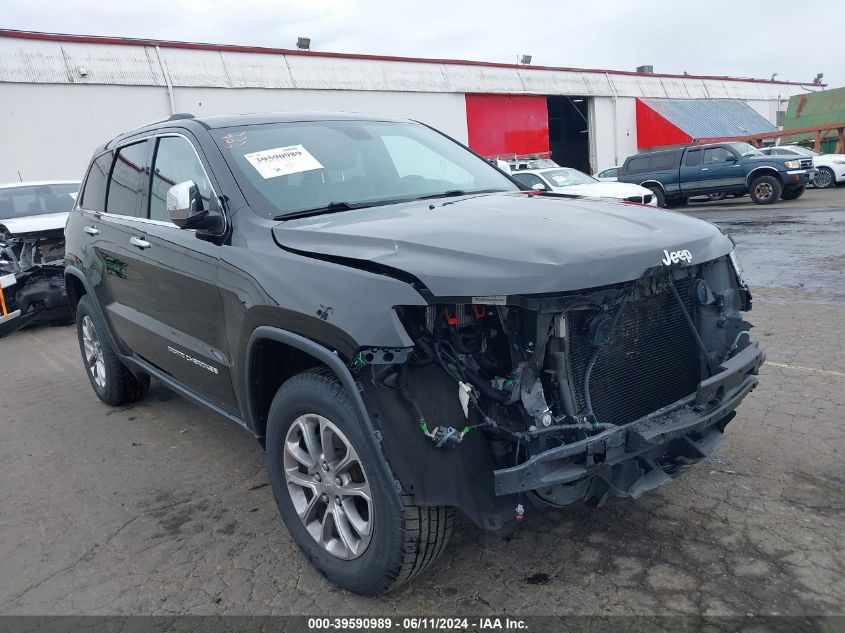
825 178
658 194
316 452
765 190
111 380
792 194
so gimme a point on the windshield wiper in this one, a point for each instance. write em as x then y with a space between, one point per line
455 192
331 207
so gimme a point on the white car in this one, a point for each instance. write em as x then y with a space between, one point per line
608 175
572 181
830 167
32 251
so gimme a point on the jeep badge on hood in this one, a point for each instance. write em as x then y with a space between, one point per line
676 256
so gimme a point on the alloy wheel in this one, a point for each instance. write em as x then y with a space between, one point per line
93 352
328 486
823 179
763 191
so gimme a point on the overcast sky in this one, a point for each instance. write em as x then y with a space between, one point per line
748 38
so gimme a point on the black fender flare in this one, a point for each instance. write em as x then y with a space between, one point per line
336 365
75 272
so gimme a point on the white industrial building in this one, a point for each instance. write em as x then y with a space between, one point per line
63 95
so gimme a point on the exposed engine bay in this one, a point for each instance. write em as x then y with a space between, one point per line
31 277
541 376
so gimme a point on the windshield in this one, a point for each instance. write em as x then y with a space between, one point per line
288 168
565 176
804 150
746 149
20 202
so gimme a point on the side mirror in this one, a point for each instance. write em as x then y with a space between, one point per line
730 158
539 187
186 208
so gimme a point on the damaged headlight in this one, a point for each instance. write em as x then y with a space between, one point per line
734 256
736 263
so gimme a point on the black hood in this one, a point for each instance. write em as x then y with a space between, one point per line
507 244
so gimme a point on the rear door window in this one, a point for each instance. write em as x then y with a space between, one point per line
128 182
663 161
638 165
692 158
94 191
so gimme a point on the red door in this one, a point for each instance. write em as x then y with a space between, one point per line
507 124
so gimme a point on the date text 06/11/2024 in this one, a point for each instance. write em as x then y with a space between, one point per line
415 624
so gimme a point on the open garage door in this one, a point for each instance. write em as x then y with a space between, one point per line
569 131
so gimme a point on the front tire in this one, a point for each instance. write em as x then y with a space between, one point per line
340 508
793 194
825 178
111 380
765 190
658 194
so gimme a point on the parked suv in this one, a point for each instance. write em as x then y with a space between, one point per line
407 330
722 168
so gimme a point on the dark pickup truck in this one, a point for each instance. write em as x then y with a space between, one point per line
676 174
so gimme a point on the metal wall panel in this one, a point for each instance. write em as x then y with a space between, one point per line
32 64
41 61
703 118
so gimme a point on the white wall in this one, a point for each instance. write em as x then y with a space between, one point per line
613 135
50 131
444 111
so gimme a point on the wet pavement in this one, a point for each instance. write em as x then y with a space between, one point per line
788 245
163 508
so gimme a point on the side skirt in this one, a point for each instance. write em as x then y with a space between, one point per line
137 364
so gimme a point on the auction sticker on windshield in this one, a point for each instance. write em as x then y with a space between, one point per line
282 161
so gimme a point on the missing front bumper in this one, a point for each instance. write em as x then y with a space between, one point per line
644 454
36 294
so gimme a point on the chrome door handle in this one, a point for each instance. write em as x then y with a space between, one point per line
139 242
705 169
90 230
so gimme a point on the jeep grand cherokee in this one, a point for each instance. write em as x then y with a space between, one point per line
406 329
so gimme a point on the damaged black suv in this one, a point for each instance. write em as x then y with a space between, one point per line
406 329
